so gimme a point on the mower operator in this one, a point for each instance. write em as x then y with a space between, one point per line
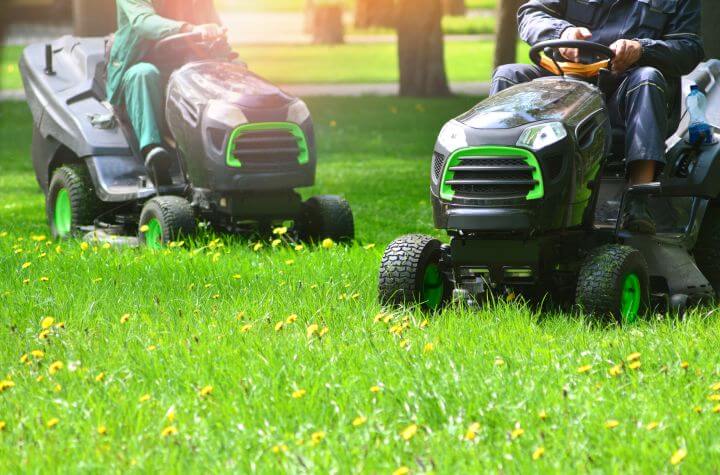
655 43
137 85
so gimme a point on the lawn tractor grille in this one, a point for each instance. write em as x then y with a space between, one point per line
267 149
478 174
437 166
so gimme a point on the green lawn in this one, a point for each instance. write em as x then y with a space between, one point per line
459 392
373 63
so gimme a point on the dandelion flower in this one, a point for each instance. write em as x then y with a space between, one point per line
279 325
144 228
611 424
715 387
6 384
2 426
298 393
714 397
538 453
359 420
206 391
633 357
635 365
299 247
542 415
615 370
716 409
584 368
317 437
47 322
428 347
25 358
237 276
328 243
517 432
44 279
375 389
85 246
55 367
652 425
43 335
409 432
678 456
170 414
100 377
280 231
124 319
280 448
152 348
367 247
246 328
291 319
499 362
38 354
52 422
472 431
698 409
684 365
102 430
57 388
257 246
145 398
275 242
26 265
169 431
401 471
312 329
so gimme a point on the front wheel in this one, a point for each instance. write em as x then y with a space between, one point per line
71 201
410 273
614 282
328 216
165 219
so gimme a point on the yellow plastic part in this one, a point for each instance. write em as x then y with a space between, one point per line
573 69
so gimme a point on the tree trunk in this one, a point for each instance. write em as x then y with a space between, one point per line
711 33
94 17
455 7
375 13
421 49
507 32
328 26
308 18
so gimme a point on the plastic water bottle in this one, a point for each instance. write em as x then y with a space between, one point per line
700 131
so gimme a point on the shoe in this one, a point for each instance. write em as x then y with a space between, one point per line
157 163
637 217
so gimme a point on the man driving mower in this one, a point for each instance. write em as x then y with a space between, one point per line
136 84
655 43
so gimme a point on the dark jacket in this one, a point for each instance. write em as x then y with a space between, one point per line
669 30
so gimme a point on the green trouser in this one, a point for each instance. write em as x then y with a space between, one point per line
143 95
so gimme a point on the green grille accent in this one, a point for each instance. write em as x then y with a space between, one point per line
294 129
446 191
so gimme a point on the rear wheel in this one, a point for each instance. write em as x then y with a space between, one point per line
328 216
707 249
614 284
71 201
165 219
410 273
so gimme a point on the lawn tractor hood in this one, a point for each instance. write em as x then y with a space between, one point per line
238 132
521 159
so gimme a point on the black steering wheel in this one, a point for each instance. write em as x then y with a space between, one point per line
550 48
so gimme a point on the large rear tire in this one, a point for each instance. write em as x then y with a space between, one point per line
165 219
613 284
707 249
410 273
71 201
328 216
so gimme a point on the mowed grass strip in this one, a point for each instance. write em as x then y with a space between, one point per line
212 357
344 64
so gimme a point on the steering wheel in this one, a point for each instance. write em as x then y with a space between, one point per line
546 55
177 50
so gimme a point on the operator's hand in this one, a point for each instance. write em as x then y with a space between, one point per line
574 33
210 31
627 53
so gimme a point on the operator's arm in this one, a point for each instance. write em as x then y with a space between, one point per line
681 48
146 23
541 20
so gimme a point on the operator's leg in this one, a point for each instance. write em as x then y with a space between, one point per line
509 75
143 95
642 102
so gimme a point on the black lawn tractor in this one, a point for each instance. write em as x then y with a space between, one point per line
530 186
243 146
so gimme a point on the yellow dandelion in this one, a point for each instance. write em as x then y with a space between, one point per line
85 246
52 422
246 328
715 387
47 322
517 432
43 335
499 362
25 358
611 424
57 388
124 319
367 247
472 431
333 123
635 364
100 377
409 432
279 325
328 243
298 393
6 384
237 276
145 398
275 242
152 348
170 414
206 391
401 471
144 228
678 456
106 245
102 430
299 247
542 415
44 279
428 347
26 265
38 238
291 319
169 431
257 246
359 420
633 357
698 409
615 370
317 437
280 231
375 389
289 262
716 409
584 368
538 453
404 343
714 397
3 425
312 329
280 448
652 425
55 367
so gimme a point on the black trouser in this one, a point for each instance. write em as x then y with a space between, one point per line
638 106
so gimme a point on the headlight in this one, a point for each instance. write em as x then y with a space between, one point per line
452 136
540 136
226 114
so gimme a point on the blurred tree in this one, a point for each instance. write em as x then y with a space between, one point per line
94 17
327 24
711 34
375 13
421 48
506 35
455 7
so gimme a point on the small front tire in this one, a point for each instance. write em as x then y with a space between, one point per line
328 217
71 201
165 219
614 283
410 273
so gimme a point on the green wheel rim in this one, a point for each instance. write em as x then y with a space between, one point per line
63 213
433 287
630 299
153 236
